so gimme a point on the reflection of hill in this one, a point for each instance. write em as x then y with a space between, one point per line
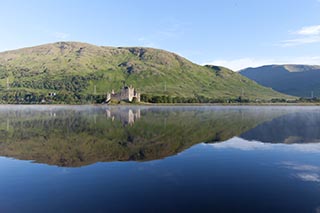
298 127
79 136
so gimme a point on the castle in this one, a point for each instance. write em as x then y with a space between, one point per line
127 93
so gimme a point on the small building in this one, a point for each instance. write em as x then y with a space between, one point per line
127 93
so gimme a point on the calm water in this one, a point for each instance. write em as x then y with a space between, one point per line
159 159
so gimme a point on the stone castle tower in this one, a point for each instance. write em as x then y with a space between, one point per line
127 93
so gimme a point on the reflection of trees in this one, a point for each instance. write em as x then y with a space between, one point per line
69 137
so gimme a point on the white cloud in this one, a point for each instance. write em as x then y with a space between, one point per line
241 63
300 41
306 35
310 30
61 35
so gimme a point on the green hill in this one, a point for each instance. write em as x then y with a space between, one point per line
80 72
297 80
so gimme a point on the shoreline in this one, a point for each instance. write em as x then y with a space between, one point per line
176 104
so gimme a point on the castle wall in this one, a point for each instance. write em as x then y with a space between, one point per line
126 94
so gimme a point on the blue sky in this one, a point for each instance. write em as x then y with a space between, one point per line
233 33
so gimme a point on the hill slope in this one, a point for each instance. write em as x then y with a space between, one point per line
73 70
297 80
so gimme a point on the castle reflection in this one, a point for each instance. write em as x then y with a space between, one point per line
126 116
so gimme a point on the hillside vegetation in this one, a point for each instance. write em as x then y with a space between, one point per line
82 73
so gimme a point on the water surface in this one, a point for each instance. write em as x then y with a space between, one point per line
159 159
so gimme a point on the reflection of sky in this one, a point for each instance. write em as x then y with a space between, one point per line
234 174
304 172
241 144
301 171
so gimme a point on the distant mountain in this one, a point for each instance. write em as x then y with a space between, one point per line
77 71
297 80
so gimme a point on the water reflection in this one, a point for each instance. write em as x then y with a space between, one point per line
295 127
125 115
245 145
77 136
303 172
224 163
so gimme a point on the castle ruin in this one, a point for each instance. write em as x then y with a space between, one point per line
127 93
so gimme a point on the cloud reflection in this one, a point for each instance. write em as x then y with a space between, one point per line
304 172
245 145
300 167
308 177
